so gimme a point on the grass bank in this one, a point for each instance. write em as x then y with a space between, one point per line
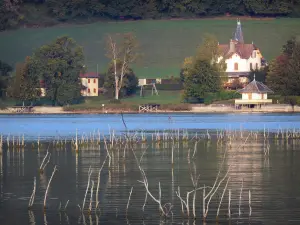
164 43
168 100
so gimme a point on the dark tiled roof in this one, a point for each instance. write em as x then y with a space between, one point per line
255 87
243 50
89 75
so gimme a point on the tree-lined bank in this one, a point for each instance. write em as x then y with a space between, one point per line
49 12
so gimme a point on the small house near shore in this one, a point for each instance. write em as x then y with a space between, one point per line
89 83
254 95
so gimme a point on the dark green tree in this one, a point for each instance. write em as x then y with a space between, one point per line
284 72
5 70
25 85
201 74
129 84
59 65
260 74
201 79
9 13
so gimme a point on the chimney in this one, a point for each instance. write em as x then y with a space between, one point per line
232 46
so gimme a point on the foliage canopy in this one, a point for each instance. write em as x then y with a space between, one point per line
201 73
284 72
15 12
59 64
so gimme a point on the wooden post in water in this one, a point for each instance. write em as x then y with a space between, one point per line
46 193
1 145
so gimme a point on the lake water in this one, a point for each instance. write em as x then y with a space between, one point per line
272 177
64 126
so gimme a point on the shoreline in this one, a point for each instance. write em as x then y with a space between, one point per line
223 109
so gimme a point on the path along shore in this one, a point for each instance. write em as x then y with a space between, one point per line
275 108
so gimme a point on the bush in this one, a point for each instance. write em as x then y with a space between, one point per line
220 96
176 107
194 100
276 99
118 107
2 105
292 100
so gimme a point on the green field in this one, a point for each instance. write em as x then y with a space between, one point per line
169 99
164 43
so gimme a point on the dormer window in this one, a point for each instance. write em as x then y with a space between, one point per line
254 54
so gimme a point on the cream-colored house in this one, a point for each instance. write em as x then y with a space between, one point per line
89 83
255 94
240 58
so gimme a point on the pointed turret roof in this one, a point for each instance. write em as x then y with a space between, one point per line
238 35
255 87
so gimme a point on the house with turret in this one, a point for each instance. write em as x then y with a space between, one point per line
240 58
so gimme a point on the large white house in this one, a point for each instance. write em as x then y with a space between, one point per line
240 58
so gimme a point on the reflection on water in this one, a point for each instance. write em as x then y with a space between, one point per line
267 168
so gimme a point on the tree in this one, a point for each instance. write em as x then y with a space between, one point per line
260 74
25 85
202 78
209 50
9 13
59 65
186 66
284 72
236 84
122 51
202 73
129 85
5 70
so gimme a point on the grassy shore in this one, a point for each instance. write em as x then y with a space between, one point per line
164 43
168 100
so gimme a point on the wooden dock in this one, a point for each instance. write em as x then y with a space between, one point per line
148 108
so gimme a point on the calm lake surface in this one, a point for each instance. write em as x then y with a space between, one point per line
50 126
269 168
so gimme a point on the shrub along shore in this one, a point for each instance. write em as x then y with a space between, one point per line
171 108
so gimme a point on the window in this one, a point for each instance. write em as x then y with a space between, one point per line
251 67
254 54
94 81
89 80
236 66
94 90
89 91
256 66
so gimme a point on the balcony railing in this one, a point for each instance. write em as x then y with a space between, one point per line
252 101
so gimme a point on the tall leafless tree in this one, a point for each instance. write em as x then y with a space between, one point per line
122 51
